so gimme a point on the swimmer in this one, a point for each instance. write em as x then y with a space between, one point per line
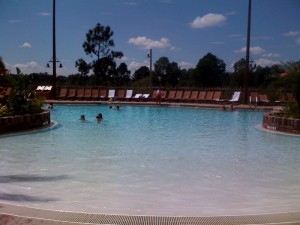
99 117
50 106
82 118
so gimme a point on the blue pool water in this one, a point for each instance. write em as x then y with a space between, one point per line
152 161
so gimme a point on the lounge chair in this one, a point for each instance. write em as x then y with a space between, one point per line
137 96
194 96
87 93
209 96
72 93
95 94
47 88
235 97
63 93
263 98
171 95
186 95
217 96
40 88
201 96
128 94
111 93
145 96
121 94
153 97
253 97
80 93
103 94
178 95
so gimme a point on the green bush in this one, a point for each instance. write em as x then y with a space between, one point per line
5 111
19 102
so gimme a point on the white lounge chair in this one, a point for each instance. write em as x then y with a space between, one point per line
128 94
145 95
111 93
138 95
235 96
47 88
40 88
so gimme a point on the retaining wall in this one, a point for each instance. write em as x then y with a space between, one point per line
24 122
276 123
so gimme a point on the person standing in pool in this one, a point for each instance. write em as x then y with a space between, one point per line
99 117
158 97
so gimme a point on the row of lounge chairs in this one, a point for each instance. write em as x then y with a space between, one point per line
82 93
196 96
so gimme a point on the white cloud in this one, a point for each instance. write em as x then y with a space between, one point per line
254 50
298 40
134 65
209 20
265 62
28 67
291 33
26 45
271 55
148 43
185 65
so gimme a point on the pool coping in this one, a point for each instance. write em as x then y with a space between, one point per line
16 214
218 105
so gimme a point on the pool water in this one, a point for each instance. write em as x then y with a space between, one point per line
141 160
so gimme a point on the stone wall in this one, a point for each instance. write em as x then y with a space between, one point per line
24 122
276 123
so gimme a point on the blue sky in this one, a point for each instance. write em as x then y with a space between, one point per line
183 31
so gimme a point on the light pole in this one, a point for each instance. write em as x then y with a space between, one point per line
150 57
54 53
246 78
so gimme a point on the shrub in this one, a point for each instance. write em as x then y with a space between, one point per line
19 102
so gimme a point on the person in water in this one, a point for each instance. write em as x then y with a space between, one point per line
99 117
82 118
158 97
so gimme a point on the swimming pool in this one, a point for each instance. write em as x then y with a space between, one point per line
152 161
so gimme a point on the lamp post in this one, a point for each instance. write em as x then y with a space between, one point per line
54 53
54 59
246 78
150 57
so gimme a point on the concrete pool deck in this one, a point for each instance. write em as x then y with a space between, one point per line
14 215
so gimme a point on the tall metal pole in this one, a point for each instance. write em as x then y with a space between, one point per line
54 55
150 55
246 78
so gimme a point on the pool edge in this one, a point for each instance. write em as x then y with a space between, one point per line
17 214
